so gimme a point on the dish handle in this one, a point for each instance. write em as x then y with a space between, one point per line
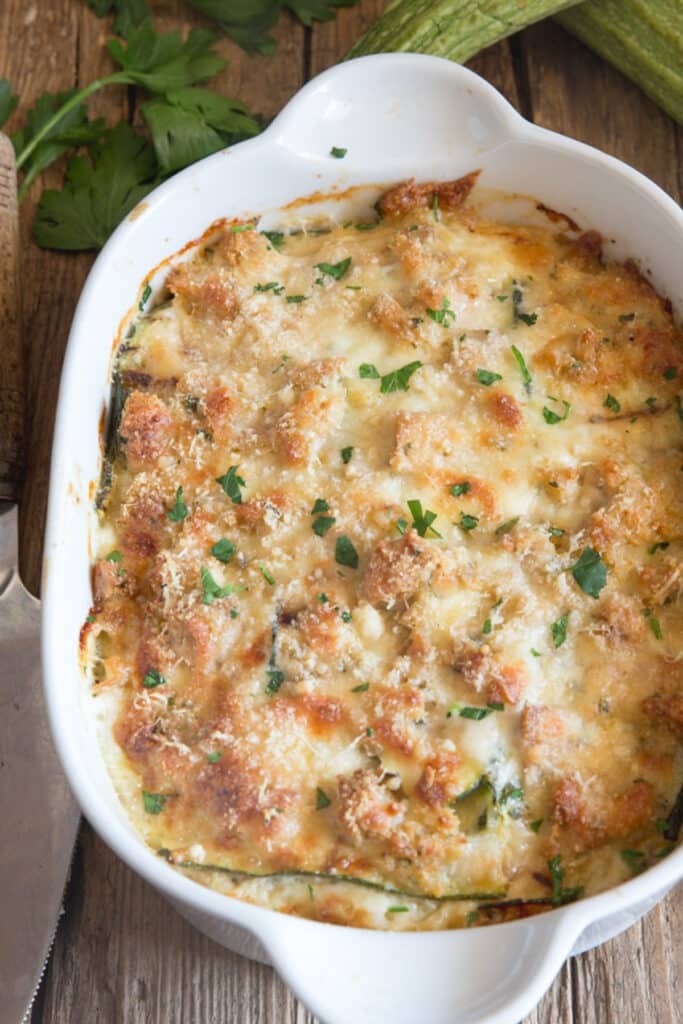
491 975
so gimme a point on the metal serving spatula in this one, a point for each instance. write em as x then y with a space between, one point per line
38 816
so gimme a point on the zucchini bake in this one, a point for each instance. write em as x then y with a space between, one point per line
387 625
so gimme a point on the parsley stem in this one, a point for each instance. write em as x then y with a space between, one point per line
117 78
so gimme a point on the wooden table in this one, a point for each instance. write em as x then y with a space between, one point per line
122 955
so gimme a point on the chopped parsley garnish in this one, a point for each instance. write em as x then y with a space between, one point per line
612 403
502 298
535 825
468 522
422 521
335 270
444 316
472 918
322 524
435 206
214 757
268 577
368 226
487 627
461 488
276 238
397 380
507 526
560 895
346 616
528 318
558 630
152 679
179 510
523 368
272 286
510 792
113 556
153 803
655 627
338 152
556 531
211 591
296 298
231 484
535 653
147 291
487 377
323 598
397 910
634 858
651 402
319 505
346 454
627 317
475 714
275 680
361 688
223 550
322 800
345 553
661 545
590 572
671 373
401 525
238 228
551 417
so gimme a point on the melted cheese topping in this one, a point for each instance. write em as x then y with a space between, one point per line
386 623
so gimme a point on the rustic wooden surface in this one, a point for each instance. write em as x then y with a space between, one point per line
122 955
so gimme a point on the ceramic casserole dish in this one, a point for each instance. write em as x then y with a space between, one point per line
398 116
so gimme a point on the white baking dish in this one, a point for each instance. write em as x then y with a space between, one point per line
398 116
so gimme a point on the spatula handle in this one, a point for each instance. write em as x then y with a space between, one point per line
11 356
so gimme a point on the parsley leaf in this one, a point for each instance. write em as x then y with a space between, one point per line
368 371
249 24
275 680
214 757
268 576
223 550
486 377
590 572
346 454
345 553
128 13
271 286
523 368
635 860
560 895
444 316
475 714
461 488
551 417
397 380
528 318
335 270
338 152
612 403
231 484
179 510
211 591
163 62
558 630
322 524
505 527
322 800
361 688
276 238
319 505
468 522
152 679
153 803
422 521
190 123
99 190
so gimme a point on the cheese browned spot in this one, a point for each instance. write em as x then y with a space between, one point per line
387 586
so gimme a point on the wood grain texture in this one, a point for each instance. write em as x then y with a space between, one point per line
122 955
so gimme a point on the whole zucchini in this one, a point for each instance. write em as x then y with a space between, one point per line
456 29
643 38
